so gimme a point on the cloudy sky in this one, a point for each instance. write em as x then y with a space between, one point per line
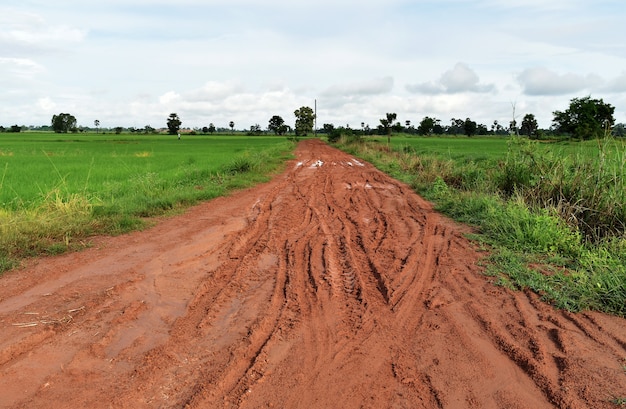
132 62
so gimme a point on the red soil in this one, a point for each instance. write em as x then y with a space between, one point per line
332 286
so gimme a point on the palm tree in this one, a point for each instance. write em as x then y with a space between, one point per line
387 123
97 124
232 126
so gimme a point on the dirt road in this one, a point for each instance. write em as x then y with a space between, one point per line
332 286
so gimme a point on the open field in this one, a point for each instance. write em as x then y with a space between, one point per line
107 167
56 189
332 285
492 147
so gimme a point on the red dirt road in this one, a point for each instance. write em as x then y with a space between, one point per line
332 286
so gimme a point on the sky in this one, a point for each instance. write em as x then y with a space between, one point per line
133 62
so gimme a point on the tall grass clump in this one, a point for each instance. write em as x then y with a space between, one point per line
589 193
47 227
552 214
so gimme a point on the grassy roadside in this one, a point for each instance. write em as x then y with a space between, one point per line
64 192
555 219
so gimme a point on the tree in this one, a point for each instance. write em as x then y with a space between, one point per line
118 130
585 118
255 130
387 124
277 125
457 127
173 123
305 119
529 126
469 127
498 129
96 123
232 126
332 134
63 123
427 125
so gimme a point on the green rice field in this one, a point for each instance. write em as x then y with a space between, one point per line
56 189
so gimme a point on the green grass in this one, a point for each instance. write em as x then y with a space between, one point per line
56 190
554 214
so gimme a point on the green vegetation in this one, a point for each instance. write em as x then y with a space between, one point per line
305 120
553 214
55 193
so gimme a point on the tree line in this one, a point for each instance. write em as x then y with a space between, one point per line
584 119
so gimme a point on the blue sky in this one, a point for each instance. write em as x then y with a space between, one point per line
132 62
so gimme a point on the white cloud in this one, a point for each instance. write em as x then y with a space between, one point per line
214 91
46 104
350 89
459 79
21 31
542 81
169 98
19 67
617 84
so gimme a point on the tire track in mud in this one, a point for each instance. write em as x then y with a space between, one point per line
331 286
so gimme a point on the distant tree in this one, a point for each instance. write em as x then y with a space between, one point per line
255 130
173 124
498 129
277 125
427 125
211 128
585 118
529 126
482 129
232 126
148 129
438 129
331 133
63 123
469 127
387 124
2 129
118 130
305 119
457 127
15 129
619 130
205 129
96 123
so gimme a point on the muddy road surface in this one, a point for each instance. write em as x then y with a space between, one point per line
332 286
